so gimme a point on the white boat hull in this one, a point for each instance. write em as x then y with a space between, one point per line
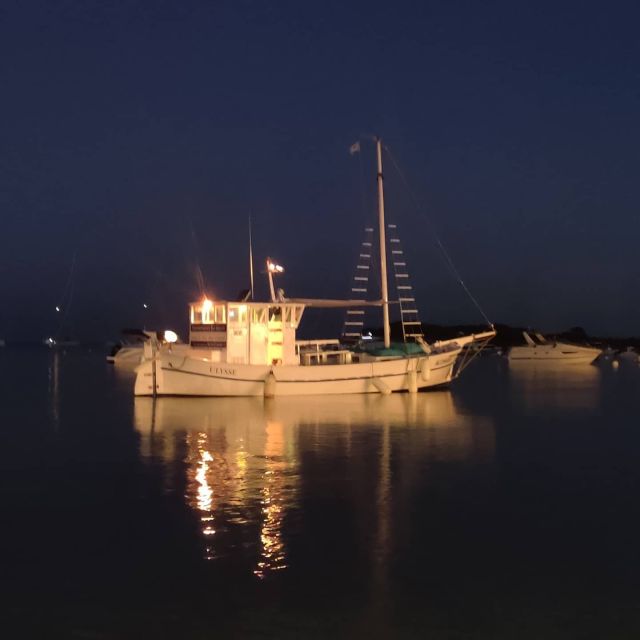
630 356
127 356
180 375
554 354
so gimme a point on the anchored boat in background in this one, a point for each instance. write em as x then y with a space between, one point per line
128 351
628 356
553 352
59 343
249 348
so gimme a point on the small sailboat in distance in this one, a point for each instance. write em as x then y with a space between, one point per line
249 348
61 338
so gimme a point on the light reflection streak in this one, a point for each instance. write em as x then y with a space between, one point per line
383 536
205 492
202 471
54 387
273 552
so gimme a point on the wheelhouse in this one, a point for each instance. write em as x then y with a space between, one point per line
246 332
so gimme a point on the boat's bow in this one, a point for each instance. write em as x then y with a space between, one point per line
470 346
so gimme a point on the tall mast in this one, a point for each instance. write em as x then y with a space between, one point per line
383 250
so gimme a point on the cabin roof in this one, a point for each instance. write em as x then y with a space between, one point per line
307 302
267 303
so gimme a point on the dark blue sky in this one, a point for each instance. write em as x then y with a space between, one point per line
140 135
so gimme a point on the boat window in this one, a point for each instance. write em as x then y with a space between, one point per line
238 314
296 313
219 315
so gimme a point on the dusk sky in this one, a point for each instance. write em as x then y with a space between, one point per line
139 136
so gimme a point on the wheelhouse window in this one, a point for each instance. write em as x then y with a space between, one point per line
238 314
219 314
259 315
208 312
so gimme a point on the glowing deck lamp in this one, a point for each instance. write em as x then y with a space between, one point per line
205 309
58 309
170 336
272 268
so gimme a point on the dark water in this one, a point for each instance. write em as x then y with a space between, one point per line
508 507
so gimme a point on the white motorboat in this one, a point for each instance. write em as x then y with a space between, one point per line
129 350
248 348
628 356
126 354
552 352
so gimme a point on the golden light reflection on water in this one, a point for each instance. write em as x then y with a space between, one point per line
556 386
204 492
243 459
274 500
216 469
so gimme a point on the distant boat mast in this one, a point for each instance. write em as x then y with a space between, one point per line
383 250
251 259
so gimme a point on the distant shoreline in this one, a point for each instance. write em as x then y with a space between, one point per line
507 336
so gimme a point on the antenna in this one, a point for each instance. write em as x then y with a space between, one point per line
250 258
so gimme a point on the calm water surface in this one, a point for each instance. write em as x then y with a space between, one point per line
507 507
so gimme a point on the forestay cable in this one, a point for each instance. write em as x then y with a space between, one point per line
420 208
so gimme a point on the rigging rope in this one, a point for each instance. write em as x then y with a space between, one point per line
445 253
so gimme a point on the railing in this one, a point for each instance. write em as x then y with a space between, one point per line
341 356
